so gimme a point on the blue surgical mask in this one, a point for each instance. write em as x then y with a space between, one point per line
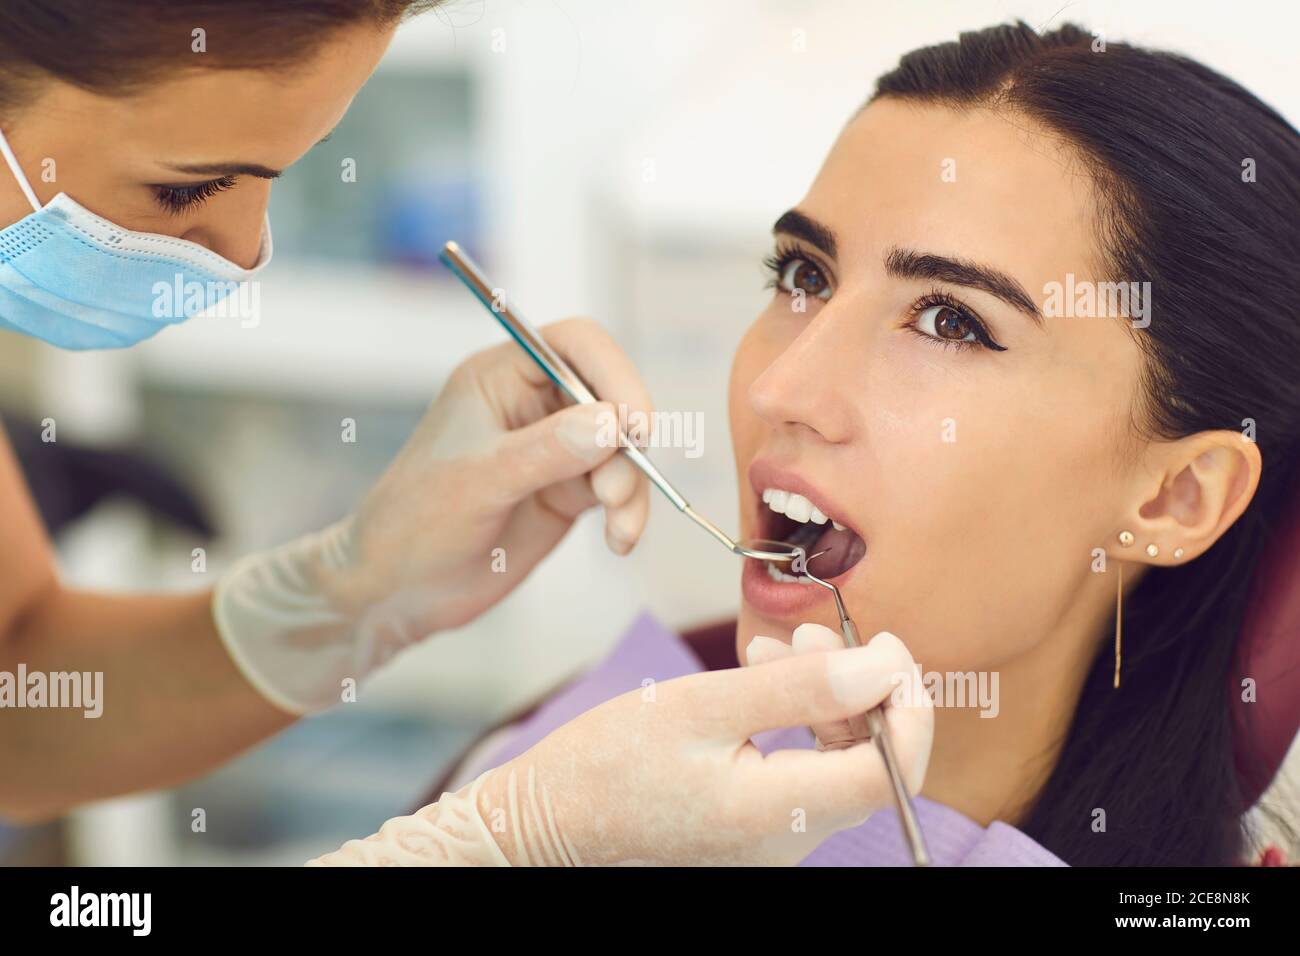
78 281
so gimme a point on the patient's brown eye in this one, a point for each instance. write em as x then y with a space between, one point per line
793 272
940 318
951 324
808 277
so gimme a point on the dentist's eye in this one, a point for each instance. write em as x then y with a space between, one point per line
941 318
180 198
791 271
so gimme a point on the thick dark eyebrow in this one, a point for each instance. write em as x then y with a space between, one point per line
794 223
910 264
227 169
236 169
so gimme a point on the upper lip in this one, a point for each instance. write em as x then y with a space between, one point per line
767 473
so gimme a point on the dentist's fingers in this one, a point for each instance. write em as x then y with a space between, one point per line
605 367
843 786
813 638
564 444
838 788
540 521
794 691
816 639
591 352
518 392
810 639
624 524
807 638
614 481
763 650
567 499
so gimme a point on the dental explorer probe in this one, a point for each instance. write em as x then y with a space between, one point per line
531 341
879 731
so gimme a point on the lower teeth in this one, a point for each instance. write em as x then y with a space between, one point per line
781 576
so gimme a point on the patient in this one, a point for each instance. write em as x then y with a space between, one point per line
946 395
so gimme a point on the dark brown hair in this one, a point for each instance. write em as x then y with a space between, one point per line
115 46
1166 140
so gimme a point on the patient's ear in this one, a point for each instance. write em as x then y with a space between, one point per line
1191 491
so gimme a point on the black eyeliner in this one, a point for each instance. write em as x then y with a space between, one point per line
939 297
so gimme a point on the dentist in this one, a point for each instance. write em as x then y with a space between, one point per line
136 155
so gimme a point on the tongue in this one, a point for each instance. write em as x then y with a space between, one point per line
843 550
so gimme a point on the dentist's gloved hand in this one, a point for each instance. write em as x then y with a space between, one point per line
487 485
667 775
811 639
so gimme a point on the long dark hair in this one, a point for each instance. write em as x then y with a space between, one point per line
115 46
1170 145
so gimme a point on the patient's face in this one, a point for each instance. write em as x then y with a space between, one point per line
974 456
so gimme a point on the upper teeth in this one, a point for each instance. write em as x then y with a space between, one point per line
796 507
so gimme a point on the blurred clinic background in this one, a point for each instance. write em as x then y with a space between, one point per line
618 160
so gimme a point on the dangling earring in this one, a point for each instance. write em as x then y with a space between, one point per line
1125 540
1119 616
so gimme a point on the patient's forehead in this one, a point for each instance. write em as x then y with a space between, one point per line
985 184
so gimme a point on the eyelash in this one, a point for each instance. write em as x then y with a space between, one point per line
939 297
782 257
779 261
180 198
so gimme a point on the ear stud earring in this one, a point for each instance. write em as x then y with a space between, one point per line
1152 551
1126 538
1178 553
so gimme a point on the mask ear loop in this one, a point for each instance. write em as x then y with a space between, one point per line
19 175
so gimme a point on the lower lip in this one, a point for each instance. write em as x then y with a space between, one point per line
780 600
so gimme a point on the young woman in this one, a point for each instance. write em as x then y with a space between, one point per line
140 139
988 455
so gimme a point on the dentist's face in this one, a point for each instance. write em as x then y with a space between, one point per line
191 155
973 450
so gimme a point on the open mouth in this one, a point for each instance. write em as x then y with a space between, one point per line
794 519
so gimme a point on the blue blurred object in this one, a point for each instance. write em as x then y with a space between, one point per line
416 217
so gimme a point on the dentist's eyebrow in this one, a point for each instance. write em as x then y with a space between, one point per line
910 264
235 169
226 169
794 223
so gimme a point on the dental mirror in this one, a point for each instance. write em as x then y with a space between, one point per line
763 549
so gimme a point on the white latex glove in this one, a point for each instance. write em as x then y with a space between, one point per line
668 776
811 639
492 478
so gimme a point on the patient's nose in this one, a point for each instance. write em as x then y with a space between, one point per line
810 383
